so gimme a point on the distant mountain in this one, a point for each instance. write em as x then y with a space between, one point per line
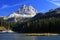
49 14
23 13
53 13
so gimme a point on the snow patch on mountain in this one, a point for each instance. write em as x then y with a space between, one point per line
23 12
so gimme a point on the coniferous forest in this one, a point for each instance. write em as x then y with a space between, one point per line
48 22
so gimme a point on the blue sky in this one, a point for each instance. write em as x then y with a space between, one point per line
9 6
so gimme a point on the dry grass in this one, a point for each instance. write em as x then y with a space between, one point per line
41 34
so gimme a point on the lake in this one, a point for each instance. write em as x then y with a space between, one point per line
16 36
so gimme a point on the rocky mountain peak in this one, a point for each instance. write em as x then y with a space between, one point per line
23 12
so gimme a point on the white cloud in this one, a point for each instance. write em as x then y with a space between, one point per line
8 6
55 2
15 5
4 6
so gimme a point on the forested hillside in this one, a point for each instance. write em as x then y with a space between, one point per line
48 22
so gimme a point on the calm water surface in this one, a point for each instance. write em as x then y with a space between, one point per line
16 36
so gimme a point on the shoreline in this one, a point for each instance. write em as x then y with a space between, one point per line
41 34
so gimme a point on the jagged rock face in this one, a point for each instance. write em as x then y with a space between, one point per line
27 10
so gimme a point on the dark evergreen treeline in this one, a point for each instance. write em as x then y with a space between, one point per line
37 26
48 22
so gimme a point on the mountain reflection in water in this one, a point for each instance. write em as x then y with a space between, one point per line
16 36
